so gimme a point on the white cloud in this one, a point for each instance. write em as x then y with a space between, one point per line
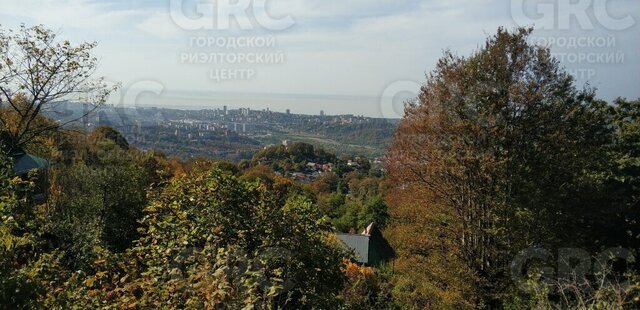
81 14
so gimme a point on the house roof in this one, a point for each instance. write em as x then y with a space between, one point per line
370 247
359 244
23 162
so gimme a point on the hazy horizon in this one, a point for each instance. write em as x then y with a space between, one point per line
296 103
360 57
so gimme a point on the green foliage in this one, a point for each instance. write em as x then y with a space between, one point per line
354 215
292 158
374 211
370 138
107 133
347 217
622 180
352 201
18 286
367 288
99 202
212 240
605 290
329 203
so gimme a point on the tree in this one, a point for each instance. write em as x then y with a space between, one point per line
501 148
326 183
36 72
108 133
374 210
329 204
627 146
97 198
366 288
621 181
293 158
211 240
429 268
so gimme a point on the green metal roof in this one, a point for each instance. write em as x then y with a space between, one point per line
25 162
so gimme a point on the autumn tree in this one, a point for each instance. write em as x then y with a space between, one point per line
37 71
499 150
103 132
210 240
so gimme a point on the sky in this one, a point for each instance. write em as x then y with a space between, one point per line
362 57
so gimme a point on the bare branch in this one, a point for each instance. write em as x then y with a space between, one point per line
42 71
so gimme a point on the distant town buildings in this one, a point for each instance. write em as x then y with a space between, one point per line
227 129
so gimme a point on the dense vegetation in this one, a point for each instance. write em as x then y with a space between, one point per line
125 228
292 158
501 154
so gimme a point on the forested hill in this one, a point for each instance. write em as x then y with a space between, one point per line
375 134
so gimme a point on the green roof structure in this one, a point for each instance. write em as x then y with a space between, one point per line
23 162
